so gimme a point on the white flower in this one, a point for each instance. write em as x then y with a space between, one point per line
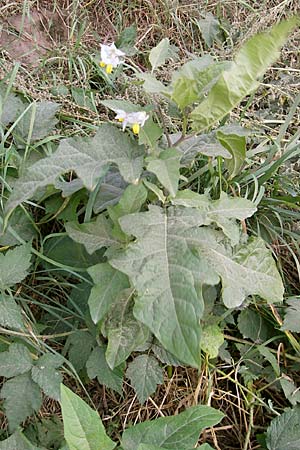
110 57
134 119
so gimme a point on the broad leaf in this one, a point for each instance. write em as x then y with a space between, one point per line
174 432
289 388
284 431
205 144
164 356
212 339
292 315
210 27
10 313
22 397
145 374
18 441
253 326
233 138
41 117
9 108
166 168
88 157
20 224
123 331
110 191
159 54
93 235
150 133
108 284
83 429
79 347
163 271
251 270
241 78
46 375
131 201
151 84
14 265
97 367
15 361
124 105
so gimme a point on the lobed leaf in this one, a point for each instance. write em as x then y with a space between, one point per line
14 265
145 374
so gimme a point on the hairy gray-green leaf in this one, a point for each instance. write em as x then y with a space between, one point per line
83 428
145 374
291 320
166 168
151 84
284 431
163 270
9 107
150 133
97 367
234 140
253 326
209 27
79 346
14 265
39 120
178 432
123 331
46 375
88 157
124 105
15 361
131 201
212 339
251 270
22 397
290 390
159 54
111 189
93 235
20 224
241 78
17 441
108 282
206 144
10 313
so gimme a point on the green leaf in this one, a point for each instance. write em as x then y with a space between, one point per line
151 84
206 144
290 390
97 367
131 201
17 441
235 142
65 251
125 105
8 108
251 270
212 339
166 168
44 373
164 356
163 270
150 133
253 326
153 188
110 191
79 346
223 212
108 284
16 361
209 27
43 116
93 235
22 397
177 432
20 224
145 374
83 429
240 79
284 431
291 320
10 313
123 331
126 38
88 157
194 79
159 54
14 265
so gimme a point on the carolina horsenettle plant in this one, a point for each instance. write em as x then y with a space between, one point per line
164 245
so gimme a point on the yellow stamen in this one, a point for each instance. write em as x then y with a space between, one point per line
102 64
136 128
121 119
109 68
